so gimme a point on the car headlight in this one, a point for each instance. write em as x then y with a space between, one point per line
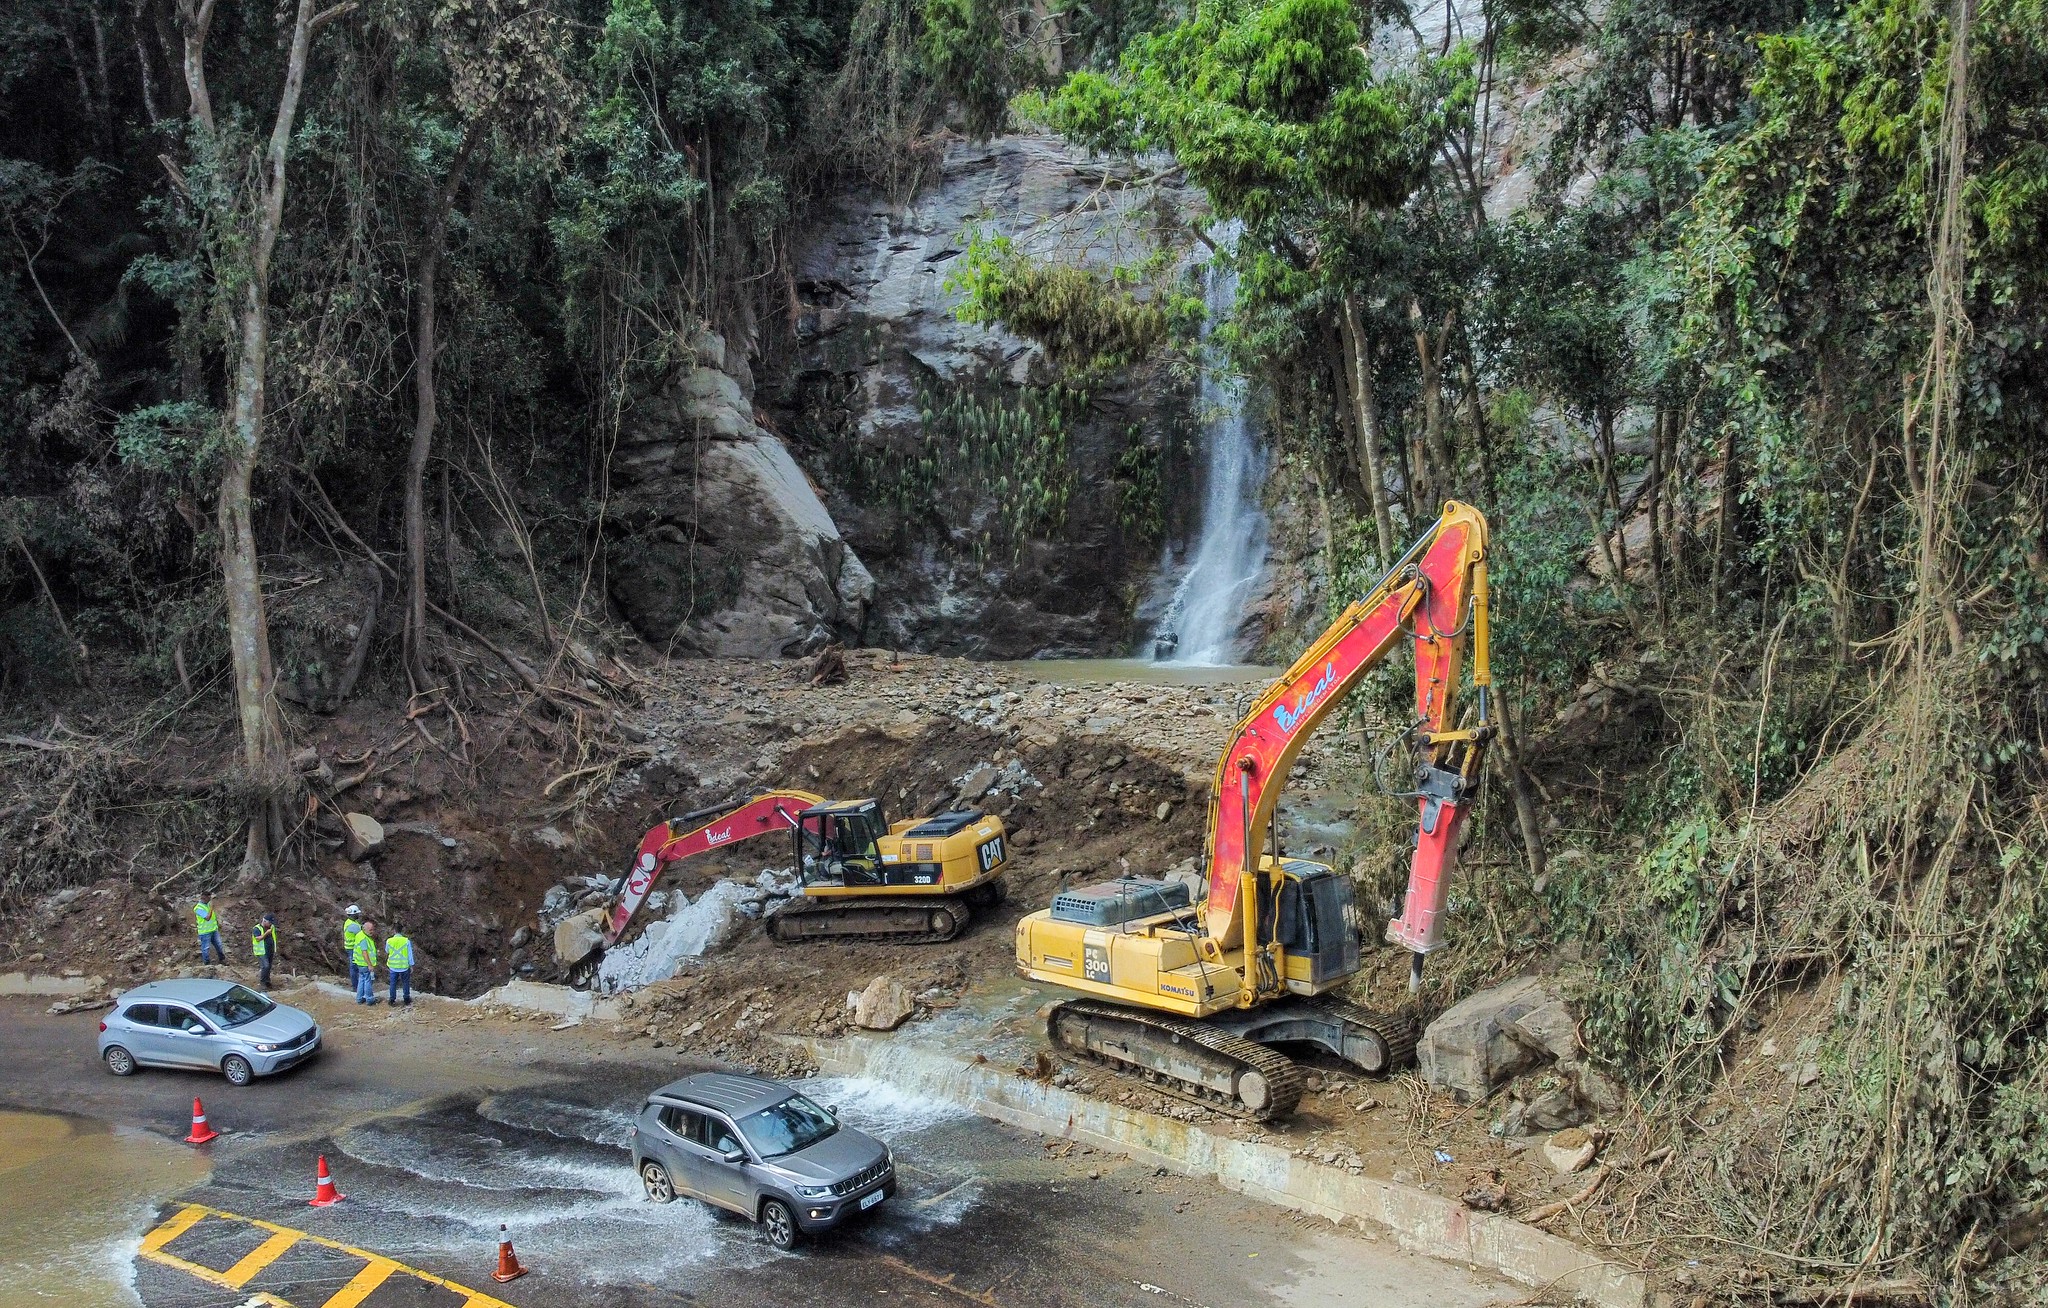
268 1049
814 1192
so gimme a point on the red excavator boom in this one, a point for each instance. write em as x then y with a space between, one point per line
678 838
1435 597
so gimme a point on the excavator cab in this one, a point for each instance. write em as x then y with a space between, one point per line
836 843
1316 923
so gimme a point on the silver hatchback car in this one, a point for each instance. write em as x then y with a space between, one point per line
217 1025
760 1149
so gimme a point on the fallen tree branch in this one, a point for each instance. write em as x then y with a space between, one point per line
1908 1293
1547 1211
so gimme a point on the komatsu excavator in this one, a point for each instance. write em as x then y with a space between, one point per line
1194 999
919 879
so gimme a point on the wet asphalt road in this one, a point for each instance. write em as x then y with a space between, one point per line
439 1138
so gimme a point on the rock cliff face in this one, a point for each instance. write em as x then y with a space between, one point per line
863 393
718 543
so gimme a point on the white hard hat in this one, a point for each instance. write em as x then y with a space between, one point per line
354 909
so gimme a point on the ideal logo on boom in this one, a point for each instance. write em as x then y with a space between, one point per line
1290 718
717 837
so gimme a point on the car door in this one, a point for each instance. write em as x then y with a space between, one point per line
688 1166
733 1188
142 1034
188 1040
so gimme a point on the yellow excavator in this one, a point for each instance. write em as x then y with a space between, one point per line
1195 998
913 880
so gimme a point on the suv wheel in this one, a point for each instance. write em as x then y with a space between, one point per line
779 1224
119 1061
237 1070
654 1179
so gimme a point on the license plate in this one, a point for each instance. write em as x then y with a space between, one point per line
869 1201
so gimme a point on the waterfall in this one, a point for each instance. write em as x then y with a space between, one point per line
1201 622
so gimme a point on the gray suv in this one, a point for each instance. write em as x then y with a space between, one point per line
760 1149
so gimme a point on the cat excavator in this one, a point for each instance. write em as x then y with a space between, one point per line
914 880
1196 999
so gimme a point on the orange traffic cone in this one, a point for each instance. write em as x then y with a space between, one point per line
508 1262
325 1194
201 1132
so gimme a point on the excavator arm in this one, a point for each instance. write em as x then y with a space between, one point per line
1434 596
680 838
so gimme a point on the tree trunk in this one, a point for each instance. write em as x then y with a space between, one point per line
1366 424
1527 820
1724 528
426 414
1653 494
1436 449
248 624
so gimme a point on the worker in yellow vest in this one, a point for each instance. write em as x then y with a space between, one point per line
263 947
208 923
366 965
350 929
398 961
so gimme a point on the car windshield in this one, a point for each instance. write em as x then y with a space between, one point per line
795 1123
236 1005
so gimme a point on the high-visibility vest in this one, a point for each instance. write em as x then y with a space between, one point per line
257 946
350 929
365 950
398 953
202 912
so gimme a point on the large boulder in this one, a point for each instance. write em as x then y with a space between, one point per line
879 356
719 543
362 836
1487 1039
885 1005
578 936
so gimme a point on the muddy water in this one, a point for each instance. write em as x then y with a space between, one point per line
75 1200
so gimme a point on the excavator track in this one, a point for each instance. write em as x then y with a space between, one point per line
897 919
1187 1059
1396 1033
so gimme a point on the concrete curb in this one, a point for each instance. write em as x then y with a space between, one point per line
1425 1223
61 987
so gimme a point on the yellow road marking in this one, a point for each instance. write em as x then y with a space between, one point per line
376 1271
365 1283
262 1256
186 1219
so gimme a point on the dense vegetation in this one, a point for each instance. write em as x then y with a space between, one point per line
1751 387
1731 316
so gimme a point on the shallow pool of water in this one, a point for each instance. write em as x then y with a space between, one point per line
1079 671
75 1199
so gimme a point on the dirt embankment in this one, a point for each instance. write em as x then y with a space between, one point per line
1095 779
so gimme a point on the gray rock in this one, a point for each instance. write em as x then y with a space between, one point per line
578 936
362 836
555 905
1484 1040
878 344
977 783
1553 1110
720 545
